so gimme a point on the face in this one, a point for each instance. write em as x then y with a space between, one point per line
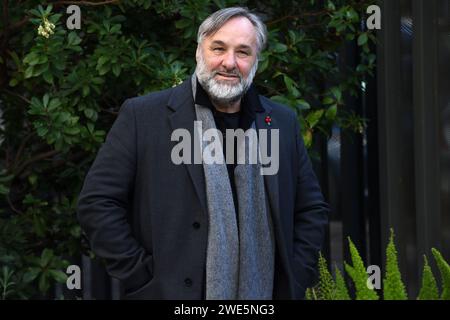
227 60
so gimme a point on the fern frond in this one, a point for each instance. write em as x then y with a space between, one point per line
393 287
341 292
444 269
429 290
358 274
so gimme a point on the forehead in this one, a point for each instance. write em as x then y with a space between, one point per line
236 31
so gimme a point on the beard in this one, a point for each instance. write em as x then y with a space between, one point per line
219 92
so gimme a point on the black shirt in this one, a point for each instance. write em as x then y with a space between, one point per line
225 121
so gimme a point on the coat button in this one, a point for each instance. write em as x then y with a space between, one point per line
188 282
196 225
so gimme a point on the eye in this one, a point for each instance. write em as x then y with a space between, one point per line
243 53
218 49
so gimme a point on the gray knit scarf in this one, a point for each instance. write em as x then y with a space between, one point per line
239 261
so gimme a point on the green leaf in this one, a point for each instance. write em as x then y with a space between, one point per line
291 86
362 39
313 117
183 23
89 113
58 275
86 90
331 112
303 104
46 257
54 104
45 100
337 93
43 59
31 274
13 82
72 130
115 29
97 80
44 285
29 72
73 39
49 9
34 12
103 69
263 66
54 18
41 10
59 64
328 100
280 48
102 60
32 58
48 77
307 138
90 127
42 131
62 117
39 69
292 36
116 70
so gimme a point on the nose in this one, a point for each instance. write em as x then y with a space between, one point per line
229 61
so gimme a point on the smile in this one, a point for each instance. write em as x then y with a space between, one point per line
227 76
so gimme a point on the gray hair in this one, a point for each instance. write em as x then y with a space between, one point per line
216 20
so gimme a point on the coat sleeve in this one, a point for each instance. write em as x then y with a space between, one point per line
310 220
104 204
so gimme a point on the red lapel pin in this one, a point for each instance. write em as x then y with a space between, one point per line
268 120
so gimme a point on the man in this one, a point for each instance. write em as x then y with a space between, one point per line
173 230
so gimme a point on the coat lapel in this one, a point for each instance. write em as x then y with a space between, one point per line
181 102
271 181
272 187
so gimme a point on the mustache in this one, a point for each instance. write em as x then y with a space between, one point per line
235 73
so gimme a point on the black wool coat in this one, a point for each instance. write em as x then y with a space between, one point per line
147 217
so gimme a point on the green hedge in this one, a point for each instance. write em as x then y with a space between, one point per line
61 90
